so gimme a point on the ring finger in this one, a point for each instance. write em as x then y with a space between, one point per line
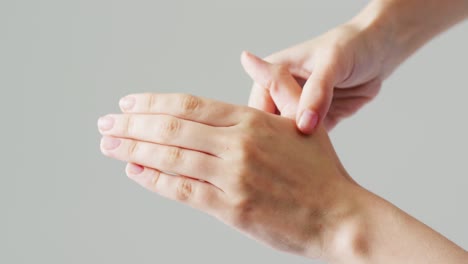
169 159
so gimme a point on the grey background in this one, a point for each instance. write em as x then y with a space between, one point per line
64 63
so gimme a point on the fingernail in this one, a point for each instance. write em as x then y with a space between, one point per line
135 169
127 103
308 121
105 123
110 143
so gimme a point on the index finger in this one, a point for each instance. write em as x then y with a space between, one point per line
184 106
276 80
260 99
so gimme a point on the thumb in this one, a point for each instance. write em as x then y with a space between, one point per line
277 80
316 98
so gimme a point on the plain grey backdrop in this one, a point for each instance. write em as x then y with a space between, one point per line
64 63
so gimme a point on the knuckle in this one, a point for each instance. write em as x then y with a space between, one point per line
154 180
189 103
184 189
241 212
281 70
129 125
151 102
252 118
246 150
173 156
133 149
169 128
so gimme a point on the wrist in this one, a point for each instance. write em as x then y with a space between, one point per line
375 231
346 237
336 219
400 27
380 32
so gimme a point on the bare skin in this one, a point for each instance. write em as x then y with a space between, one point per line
343 69
255 172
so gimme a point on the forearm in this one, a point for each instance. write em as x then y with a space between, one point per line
378 232
403 26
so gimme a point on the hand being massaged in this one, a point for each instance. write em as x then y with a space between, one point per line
256 172
251 169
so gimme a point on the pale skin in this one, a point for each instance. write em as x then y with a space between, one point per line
256 172
343 69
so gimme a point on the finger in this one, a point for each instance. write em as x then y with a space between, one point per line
277 79
296 58
317 95
184 106
164 129
165 158
260 99
198 194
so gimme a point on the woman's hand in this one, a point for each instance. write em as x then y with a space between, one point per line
251 169
340 71
343 69
256 172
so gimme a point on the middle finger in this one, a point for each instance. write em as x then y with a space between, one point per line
164 129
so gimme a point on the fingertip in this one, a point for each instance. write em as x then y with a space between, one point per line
126 103
258 69
133 169
105 123
248 57
315 101
245 54
307 121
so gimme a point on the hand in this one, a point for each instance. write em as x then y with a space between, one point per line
256 172
250 169
340 71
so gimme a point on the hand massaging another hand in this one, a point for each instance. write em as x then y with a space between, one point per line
257 173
